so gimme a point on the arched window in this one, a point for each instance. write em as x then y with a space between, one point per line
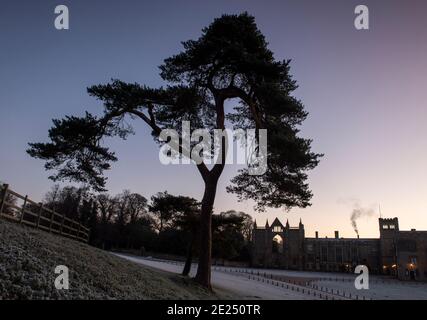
277 244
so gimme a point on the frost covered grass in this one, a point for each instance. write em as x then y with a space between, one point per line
28 258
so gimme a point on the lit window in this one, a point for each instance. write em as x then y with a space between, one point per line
385 226
391 226
277 229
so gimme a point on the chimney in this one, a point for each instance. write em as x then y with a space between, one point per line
317 234
337 235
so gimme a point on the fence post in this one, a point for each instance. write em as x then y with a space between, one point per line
3 197
5 191
24 206
39 215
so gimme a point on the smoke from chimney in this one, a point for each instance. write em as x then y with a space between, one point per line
357 213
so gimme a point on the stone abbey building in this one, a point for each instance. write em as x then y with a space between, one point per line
402 254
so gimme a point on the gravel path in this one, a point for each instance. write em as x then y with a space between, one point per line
238 284
252 284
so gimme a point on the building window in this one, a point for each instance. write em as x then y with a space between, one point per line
392 226
385 226
277 229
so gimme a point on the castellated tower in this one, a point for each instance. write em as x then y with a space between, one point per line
389 230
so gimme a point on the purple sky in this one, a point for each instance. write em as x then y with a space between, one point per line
365 91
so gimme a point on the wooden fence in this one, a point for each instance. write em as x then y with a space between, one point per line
38 216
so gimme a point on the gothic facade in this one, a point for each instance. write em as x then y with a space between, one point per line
402 254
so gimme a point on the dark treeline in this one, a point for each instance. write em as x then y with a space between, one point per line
165 224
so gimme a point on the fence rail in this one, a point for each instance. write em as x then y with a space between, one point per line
36 215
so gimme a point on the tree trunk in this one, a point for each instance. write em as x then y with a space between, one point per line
189 259
203 275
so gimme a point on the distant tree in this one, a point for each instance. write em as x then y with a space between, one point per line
180 213
52 196
140 233
121 217
120 221
163 208
106 205
66 200
227 232
229 61
125 209
88 215
137 206
246 225
187 219
11 199
122 213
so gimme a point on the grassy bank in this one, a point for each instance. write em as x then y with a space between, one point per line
28 258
